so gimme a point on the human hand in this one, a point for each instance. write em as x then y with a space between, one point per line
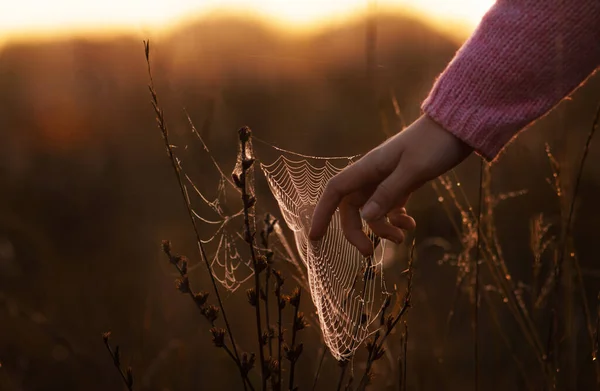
378 185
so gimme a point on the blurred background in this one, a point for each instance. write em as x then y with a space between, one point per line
88 192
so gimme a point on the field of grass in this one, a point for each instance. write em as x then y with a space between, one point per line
88 196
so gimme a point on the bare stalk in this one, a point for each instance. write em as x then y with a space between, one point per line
404 357
375 345
318 373
564 245
294 351
241 178
476 287
115 354
209 312
568 229
280 306
344 366
265 234
162 125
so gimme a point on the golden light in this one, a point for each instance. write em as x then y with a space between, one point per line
42 17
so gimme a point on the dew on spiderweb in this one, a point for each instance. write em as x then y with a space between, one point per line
345 286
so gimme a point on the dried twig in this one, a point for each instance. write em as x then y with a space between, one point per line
476 284
375 344
162 125
281 302
344 365
115 354
294 351
241 179
210 312
318 372
265 235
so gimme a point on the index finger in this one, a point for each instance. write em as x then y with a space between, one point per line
349 180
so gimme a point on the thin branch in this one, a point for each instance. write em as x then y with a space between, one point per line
280 306
295 350
116 357
476 304
344 365
200 299
318 373
241 180
405 357
265 235
375 346
160 119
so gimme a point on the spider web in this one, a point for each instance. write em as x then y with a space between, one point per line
347 289
226 249
344 285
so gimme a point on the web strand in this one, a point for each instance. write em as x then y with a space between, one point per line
344 285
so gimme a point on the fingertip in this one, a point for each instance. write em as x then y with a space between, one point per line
413 223
387 231
403 221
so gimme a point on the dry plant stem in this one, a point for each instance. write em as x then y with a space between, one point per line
566 233
378 342
552 344
344 366
596 346
293 347
279 340
507 341
280 306
569 227
265 241
318 373
397 110
522 319
248 201
405 357
476 304
349 384
400 374
364 381
498 271
192 295
176 167
115 356
586 148
267 311
588 320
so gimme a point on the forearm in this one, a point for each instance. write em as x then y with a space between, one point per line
523 59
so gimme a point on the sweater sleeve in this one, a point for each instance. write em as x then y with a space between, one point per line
522 60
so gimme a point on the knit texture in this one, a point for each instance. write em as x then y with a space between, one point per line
522 60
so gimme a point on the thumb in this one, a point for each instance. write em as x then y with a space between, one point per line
393 190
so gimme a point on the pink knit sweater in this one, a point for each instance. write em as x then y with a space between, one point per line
523 59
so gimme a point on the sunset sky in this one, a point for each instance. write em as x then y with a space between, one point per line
43 17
